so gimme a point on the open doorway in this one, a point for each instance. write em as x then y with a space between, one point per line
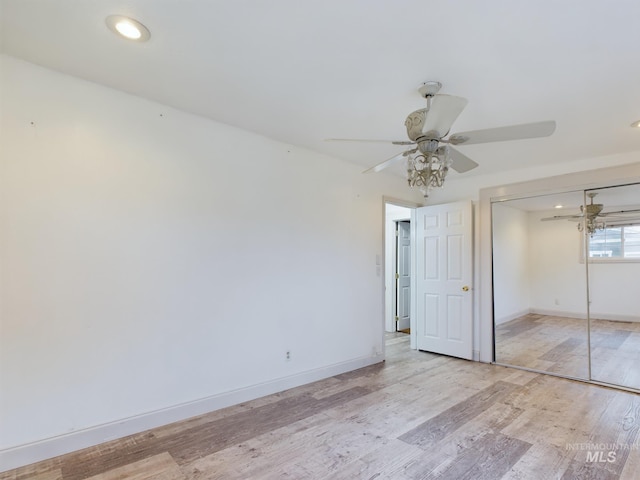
403 276
397 267
439 253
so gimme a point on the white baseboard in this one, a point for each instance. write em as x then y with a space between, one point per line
52 447
559 313
512 316
614 317
594 315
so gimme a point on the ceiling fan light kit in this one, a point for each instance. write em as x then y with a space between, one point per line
591 212
431 155
428 171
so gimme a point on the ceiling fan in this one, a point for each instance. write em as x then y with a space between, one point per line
595 217
431 154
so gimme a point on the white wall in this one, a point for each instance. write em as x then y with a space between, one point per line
154 261
511 275
558 277
614 291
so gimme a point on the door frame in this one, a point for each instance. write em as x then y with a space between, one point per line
388 260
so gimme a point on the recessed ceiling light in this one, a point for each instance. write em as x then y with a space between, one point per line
128 28
636 124
558 206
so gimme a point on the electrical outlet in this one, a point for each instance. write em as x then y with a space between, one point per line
287 355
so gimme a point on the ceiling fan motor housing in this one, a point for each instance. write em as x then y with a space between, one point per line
593 210
434 122
415 123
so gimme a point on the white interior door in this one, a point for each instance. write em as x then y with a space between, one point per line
444 270
403 275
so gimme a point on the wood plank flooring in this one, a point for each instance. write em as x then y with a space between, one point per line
559 345
416 416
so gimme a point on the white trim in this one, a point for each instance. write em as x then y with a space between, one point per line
512 316
52 447
559 313
400 203
475 219
412 206
610 260
613 317
413 338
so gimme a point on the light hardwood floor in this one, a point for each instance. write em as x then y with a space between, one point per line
416 416
559 345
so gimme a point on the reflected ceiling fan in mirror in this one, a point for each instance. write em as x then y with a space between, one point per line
595 219
431 154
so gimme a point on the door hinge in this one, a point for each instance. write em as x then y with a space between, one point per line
397 275
397 233
397 318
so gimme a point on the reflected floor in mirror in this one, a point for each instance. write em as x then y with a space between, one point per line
615 352
546 343
558 344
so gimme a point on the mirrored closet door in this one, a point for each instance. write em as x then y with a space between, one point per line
539 282
613 262
566 282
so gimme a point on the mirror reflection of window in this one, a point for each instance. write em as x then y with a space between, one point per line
616 242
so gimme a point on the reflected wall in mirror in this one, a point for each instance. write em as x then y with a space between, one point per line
540 285
614 286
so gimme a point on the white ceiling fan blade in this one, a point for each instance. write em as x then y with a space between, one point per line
503 134
562 217
460 162
627 222
620 212
389 161
391 142
440 116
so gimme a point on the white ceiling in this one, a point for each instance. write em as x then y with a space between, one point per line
300 71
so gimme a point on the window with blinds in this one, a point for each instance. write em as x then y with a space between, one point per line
616 242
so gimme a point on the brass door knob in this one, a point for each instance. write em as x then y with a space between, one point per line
465 288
